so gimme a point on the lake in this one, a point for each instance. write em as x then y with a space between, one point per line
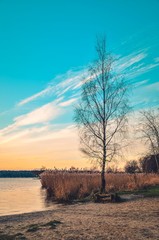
22 195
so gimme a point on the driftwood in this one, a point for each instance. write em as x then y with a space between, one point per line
113 197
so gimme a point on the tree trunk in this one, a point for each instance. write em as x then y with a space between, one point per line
103 179
156 163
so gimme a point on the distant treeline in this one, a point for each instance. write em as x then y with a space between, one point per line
20 174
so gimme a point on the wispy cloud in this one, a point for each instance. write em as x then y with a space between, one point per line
58 86
128 61
37 133
35 121
138 84
153 87
64 89
40 115
156 59
145 95
134 64
142 70
68 102
130 66
43 93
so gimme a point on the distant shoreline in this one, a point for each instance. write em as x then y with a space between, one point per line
20 173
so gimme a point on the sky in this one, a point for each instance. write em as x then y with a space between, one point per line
45 50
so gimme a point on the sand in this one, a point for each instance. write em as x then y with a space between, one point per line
136 219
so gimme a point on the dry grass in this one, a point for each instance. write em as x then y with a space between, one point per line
66 185
129 182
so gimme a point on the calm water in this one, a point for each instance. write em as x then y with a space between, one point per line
21 195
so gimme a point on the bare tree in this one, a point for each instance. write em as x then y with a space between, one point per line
149 125
101 112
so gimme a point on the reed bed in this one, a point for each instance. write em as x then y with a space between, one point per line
70 185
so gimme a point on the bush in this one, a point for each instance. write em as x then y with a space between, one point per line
150 163
132 167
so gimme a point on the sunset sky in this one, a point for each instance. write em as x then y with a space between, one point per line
45 50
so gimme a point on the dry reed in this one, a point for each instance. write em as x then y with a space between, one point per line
69 185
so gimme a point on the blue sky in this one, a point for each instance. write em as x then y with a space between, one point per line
45 49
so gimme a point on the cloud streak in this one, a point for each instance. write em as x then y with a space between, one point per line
64 89
58 86
131 66
40 115
124 63
43 93
68 102
22 123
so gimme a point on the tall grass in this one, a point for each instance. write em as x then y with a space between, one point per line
69 185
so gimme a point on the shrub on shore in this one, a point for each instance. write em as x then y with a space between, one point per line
70 185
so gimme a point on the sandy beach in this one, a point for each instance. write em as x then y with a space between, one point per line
135 219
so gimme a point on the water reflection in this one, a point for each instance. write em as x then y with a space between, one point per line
21 195
47 201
